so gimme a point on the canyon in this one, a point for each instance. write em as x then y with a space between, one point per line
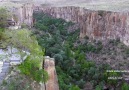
100 25
96 24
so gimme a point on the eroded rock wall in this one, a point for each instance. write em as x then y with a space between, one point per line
20 13
24 14
99 25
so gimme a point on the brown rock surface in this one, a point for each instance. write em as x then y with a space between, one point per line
49 66
99 25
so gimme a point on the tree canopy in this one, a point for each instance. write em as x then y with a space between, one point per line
24 40
3 17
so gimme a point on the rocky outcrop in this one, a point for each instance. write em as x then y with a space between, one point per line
49 66
28 14
99 25
24 14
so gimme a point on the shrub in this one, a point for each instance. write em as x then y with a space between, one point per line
1 33
125 86
3 17
31 68
24 25
74 88
58 59
98 87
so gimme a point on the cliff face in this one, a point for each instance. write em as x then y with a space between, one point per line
28 14
24 13
99 25
20 12
49 66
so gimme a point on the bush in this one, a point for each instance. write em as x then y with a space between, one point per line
24 25
98 87
58 59
1 33
31 68
125 86
74 88
3 17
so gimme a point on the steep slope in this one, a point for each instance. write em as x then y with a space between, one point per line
99 25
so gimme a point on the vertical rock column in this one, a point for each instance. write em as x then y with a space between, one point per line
49 66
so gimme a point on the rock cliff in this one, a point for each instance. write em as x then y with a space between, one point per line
24 14
99 25
27 14
21 13
49 66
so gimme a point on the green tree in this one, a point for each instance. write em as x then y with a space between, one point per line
74 88
125 86
58 58
98 87
3 17
31 68
23 40
3 21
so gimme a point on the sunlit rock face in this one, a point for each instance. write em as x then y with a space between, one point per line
27 14
24 14
99 25
49 66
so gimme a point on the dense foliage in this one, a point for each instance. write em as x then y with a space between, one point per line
3 17
73 68
31 68
3 21
24 40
